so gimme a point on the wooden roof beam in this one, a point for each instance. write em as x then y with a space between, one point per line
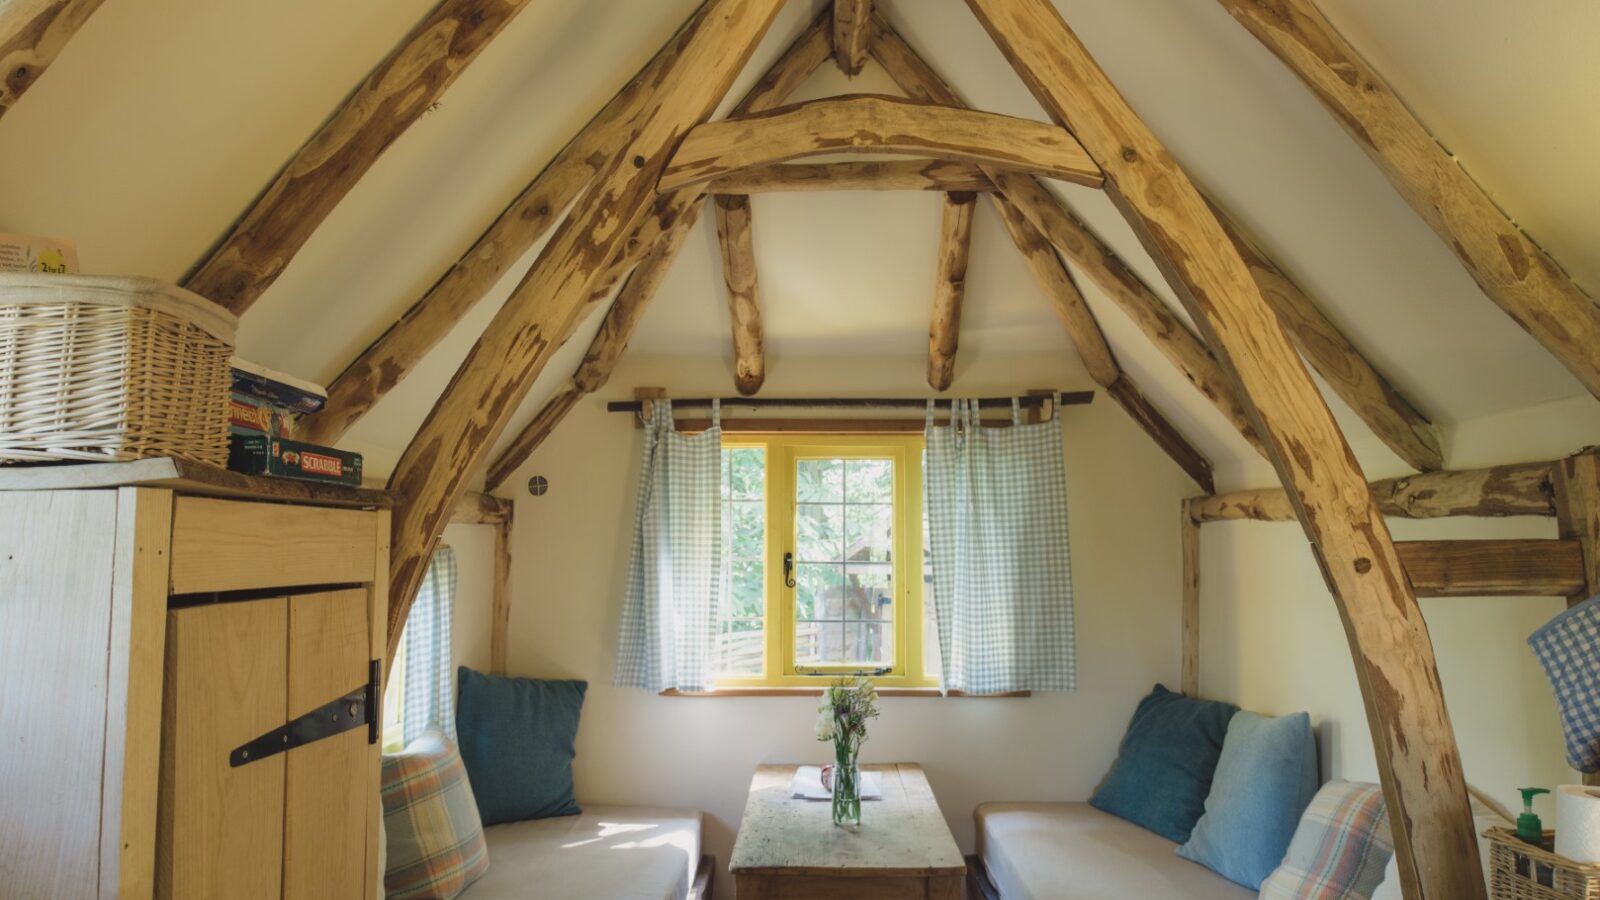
394 355
1418 761
1514 271
851 22
949 288
870 123
796 64
240 268
918 79
735 237
1084 331
473 410
1519 489
32 33
1493 568
855 175
1138 300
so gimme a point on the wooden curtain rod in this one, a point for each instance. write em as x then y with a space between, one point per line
1028 401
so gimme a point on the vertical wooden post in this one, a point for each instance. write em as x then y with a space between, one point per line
1190 530
1577 494
501 615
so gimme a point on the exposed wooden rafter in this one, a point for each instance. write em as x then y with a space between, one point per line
1418 760
1391 417
735 237
1493 568
851 22
918 79
949 288
1098 358
258 247
1516 273
855 175
32 32
392 357
870 123
1133 296
473 410
797 63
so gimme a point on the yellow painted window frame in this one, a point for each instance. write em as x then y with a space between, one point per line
783 453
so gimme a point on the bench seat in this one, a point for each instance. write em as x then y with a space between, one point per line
1072 851
626 853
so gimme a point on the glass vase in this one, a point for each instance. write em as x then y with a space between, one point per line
846 793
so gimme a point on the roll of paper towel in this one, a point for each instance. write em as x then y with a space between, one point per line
1578 823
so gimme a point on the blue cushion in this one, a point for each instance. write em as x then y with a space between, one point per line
516 737
1163 770
1265 779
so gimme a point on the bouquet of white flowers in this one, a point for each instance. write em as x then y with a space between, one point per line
842 715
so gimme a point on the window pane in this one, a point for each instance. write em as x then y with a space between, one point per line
869 481
818 642
867 643
819 481
741 644
744 473
869 533
819 591
749 528
820 533
869 592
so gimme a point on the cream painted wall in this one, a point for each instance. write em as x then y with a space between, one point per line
1271 638
469 631
570 552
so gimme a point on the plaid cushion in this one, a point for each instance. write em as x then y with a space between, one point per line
1339 849
1568 647
435 838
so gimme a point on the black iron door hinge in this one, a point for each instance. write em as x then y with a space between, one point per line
357 708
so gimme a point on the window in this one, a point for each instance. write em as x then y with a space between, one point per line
823 561
393 701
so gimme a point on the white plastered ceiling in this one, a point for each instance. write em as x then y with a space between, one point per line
163 118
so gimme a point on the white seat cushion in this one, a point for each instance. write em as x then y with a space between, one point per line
1072 851
626 853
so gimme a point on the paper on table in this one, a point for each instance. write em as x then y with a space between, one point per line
807 785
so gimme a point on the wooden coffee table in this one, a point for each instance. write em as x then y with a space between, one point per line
791 849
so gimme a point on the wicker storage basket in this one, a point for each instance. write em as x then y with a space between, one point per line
1521 871
103 368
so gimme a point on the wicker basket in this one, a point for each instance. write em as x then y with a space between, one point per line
1521 871
101 368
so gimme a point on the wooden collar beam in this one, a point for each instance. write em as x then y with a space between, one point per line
855 175
32 32
1516 273
260 245
1418 761
867 123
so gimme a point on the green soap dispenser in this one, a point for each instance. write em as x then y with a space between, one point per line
1529 828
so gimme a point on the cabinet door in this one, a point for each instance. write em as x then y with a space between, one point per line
328 802
220 829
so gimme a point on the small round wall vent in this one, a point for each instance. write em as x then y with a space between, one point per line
538 485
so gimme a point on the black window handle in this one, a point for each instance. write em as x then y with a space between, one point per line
788 569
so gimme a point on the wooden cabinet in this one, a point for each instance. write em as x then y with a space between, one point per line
147 634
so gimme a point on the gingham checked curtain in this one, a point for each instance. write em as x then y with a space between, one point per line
669 613
429 691
1002 572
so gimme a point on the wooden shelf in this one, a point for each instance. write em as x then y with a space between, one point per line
189 478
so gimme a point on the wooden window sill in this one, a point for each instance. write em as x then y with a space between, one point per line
817 692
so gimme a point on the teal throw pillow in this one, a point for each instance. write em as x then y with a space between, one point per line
1164 768
517 740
